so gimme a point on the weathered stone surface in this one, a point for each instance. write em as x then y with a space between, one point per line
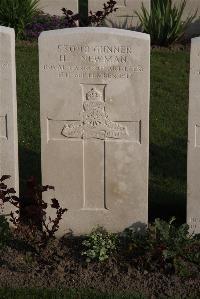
8 108
191 7
94 86
125 16
53 7
193 170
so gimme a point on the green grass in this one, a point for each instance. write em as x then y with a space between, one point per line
28 112
60 294
168 134
168 127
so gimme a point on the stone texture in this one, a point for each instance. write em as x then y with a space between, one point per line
125 12
94 87
53 7
193 170
8 108
190 9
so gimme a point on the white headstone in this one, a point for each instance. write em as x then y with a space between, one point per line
8 108
125 16
193 170
94 87
191 7
53 7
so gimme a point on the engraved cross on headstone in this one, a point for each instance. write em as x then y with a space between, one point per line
95 128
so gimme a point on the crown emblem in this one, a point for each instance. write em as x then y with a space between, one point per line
94 95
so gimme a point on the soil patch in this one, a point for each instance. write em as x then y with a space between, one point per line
61 265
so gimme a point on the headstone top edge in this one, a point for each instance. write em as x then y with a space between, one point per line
102 30
195 40
4 29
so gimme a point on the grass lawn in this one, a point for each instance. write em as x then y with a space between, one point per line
168 127
168 134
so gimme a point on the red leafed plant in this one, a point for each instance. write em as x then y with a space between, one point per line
97 18
94 18
29 216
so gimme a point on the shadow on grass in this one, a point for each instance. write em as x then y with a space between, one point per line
168 179
169 161
29 165
164 205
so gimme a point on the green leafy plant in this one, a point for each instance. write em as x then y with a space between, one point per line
164 246
4 231
99 245
164 22
170 237
17 14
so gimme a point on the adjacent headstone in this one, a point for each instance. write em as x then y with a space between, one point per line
193 170
8 108
53 7
94 87
125 16
191 7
